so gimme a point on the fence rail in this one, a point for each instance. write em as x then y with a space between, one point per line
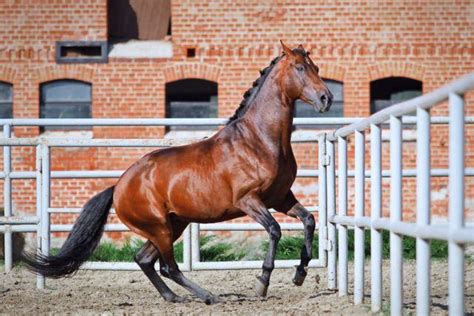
333 221
455 232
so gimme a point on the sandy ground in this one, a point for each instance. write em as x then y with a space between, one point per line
93 292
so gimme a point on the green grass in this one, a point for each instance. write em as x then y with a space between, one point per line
213 250
439 248
110 252
289 247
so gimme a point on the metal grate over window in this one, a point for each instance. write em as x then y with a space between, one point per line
65 99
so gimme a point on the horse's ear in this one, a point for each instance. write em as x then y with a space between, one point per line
286 50
300 47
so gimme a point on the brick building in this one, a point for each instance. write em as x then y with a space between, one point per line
152 59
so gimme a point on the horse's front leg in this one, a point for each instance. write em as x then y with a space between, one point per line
253 206
293 208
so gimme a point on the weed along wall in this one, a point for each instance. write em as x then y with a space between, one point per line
72 60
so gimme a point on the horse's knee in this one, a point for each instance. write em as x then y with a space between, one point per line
143 260
309 222
275 231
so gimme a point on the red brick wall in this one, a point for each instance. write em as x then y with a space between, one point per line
431 41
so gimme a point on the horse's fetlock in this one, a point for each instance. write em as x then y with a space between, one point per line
165 271
268 267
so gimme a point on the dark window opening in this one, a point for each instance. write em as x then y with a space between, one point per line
303 109
77 51
139 19
6 100
191 52
65 99
389 91
169 28
81 52
191 98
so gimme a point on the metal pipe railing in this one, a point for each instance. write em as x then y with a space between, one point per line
330 255
455 232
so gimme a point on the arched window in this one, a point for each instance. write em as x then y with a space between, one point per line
303 109
65 99
191 98
388 91
6 100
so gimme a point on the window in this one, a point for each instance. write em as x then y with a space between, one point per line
6 100
303 109
65 99
388 91
191 98
139 19
81 52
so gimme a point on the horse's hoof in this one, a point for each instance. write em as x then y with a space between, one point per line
299 277
176 299
261 288
212 300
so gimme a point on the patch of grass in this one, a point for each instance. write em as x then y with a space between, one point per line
212 250
439 248
110 252
289 247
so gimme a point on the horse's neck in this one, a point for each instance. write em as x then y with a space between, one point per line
271 116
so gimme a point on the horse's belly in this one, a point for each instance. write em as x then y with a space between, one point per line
208 215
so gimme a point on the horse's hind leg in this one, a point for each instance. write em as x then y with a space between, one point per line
146 258
169 267
293 208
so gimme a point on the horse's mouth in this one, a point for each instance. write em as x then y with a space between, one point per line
318 107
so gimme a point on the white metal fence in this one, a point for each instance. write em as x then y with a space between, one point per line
332 255
454 232
43 175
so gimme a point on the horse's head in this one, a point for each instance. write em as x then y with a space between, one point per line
300 79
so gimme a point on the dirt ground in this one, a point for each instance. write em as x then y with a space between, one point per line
123 292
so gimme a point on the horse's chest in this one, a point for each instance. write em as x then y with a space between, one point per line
279 183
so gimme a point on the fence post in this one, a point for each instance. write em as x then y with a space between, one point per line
375 214
456 203
195 252
45 188
187 262
40 280
7 196
342 211
396 245
322 214
359 251
423 201
331 211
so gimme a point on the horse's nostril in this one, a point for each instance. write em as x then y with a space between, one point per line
324 99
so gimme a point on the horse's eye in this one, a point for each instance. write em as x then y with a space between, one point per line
300 67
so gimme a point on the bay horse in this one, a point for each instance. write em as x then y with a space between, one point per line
246 168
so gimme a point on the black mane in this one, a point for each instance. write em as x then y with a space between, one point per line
252 92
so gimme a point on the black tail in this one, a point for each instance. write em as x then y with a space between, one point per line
81 242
